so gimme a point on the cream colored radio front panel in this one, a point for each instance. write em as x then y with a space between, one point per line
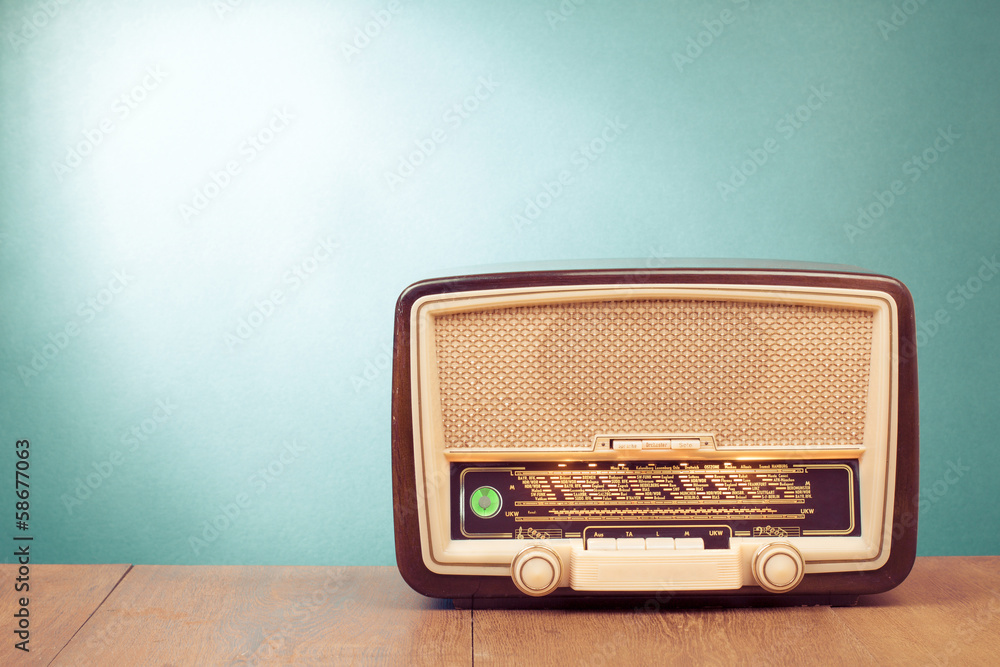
629 373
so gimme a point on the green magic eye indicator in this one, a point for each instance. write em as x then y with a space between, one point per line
485 502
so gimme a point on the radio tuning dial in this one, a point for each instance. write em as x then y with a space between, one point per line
778 567
536 570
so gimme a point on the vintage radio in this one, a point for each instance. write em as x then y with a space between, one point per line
697 434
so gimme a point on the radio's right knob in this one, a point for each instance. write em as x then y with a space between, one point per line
536 570
778 567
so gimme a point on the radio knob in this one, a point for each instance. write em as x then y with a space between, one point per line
536 570
778 567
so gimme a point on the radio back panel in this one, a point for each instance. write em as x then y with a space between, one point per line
737 432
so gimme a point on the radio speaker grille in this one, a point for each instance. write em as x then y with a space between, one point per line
556 375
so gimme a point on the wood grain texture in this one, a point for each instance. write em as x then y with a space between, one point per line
651 636
946 612
60 600
194 615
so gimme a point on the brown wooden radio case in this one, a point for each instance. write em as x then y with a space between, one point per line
734 433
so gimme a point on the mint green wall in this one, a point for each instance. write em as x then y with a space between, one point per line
207 210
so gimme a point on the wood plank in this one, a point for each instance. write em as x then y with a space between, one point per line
947 611
270 615
650 636
60 600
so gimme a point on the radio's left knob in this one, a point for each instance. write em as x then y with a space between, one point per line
536 570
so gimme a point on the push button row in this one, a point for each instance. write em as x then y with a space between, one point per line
647 543
659 443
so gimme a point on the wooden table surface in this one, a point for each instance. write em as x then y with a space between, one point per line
946 612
